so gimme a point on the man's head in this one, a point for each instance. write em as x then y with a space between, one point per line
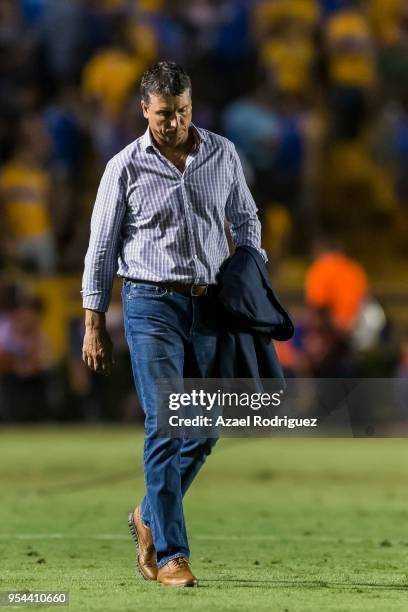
166 102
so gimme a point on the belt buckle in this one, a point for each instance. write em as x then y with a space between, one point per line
194 287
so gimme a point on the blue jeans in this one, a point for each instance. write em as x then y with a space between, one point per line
170 335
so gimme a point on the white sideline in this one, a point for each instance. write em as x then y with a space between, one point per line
118 536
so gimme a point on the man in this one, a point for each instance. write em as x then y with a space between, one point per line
25 193
159 221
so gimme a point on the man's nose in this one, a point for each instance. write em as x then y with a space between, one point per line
174 122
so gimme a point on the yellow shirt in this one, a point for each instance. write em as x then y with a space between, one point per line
386 18
24 194
349 64
291 61
110 76
272 13
350 164
137 5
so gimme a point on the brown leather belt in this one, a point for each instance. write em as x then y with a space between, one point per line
193 289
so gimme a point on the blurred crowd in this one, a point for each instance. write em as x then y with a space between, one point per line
314 94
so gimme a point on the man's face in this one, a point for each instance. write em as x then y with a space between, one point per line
169 117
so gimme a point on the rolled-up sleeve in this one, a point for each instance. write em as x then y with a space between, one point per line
101 260
241 210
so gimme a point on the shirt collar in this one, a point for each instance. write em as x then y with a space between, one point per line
199 135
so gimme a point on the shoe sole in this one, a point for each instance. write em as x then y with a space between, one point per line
133 532
179 586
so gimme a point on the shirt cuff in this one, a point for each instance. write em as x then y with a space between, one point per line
95 301
264 255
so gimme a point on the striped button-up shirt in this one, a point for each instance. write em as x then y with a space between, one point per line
152 222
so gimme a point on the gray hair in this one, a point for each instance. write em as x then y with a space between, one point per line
164 79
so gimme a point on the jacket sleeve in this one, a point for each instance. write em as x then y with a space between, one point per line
101 260
241 210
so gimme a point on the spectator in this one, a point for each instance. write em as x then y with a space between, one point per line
25 194
313 94
65 37
26 360
350 54
336 282
109 80
323 348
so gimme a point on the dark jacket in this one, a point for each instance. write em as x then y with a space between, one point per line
250 317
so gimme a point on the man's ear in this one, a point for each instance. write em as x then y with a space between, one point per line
144 109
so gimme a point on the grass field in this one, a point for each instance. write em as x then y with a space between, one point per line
286 525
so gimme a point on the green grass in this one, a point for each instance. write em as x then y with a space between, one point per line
298 525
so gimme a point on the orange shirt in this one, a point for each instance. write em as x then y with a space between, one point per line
338 283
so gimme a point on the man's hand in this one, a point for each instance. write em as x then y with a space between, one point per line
97 347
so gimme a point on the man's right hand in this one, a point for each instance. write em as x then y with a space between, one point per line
97 346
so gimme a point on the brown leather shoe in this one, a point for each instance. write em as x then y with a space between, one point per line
146 553
176 573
